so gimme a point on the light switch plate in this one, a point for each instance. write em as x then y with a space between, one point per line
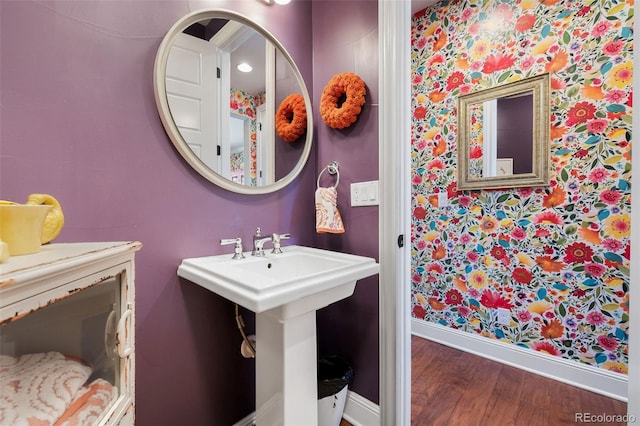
364 193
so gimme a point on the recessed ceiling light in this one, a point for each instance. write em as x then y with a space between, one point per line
283 1
244 67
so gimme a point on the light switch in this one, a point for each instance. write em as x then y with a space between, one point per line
364 193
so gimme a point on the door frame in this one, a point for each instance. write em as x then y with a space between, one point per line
394 168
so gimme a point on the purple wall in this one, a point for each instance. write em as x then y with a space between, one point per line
345 39
79 122
515 132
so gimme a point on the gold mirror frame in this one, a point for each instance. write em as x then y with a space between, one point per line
539 175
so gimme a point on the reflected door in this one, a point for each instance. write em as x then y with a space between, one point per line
191 93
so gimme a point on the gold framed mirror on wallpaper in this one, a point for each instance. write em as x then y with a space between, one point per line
503 136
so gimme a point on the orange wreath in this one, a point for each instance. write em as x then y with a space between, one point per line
349 87
291 118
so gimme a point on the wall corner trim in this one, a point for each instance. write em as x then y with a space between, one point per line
584 376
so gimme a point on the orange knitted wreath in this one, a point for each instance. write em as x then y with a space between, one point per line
346 85
291 118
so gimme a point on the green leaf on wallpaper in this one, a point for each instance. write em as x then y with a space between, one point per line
573 91
569 207
562 310
592 140
566 37
564 175
616 108
545 31
504 76
572 69
571 229
503 198
581 128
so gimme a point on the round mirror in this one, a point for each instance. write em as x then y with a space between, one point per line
218 80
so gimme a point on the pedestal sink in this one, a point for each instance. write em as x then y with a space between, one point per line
284 290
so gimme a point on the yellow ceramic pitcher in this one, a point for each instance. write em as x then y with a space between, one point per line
25 227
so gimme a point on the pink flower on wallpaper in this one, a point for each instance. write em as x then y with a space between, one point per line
421 145
416 278
608 343
465 239
503 13
598 175
421 245
417 79
610 196
597 126
616 96
601 29
473 256
523 316
594 269
596 318
419 112
464 201
466 14
474 28
463 311
416 179
527 63
518 233
612 244
613 47
494 300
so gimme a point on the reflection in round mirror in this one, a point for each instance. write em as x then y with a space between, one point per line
218 113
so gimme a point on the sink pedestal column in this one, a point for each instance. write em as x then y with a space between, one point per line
286 369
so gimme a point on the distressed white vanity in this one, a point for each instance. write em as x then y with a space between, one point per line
67 334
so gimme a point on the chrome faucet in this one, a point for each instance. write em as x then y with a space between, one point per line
237 252
276 241
258 244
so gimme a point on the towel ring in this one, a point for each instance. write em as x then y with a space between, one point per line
333 169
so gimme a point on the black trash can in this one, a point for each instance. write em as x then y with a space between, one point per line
334 376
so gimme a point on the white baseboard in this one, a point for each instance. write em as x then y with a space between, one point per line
604 382
358 411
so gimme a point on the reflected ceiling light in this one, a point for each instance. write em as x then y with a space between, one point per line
244 67
282 1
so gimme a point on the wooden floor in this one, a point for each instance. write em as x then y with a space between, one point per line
451 387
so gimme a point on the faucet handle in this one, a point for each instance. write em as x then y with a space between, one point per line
276 241
237 252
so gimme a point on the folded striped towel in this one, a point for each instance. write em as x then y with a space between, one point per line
327 215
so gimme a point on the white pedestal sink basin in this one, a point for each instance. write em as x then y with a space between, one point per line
284 290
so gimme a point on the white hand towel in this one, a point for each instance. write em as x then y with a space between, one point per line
327 215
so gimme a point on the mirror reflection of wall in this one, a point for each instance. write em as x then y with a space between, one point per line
501 136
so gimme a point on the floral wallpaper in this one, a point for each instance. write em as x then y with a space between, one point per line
556 257
243 103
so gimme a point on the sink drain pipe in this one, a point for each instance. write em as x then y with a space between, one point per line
248 346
